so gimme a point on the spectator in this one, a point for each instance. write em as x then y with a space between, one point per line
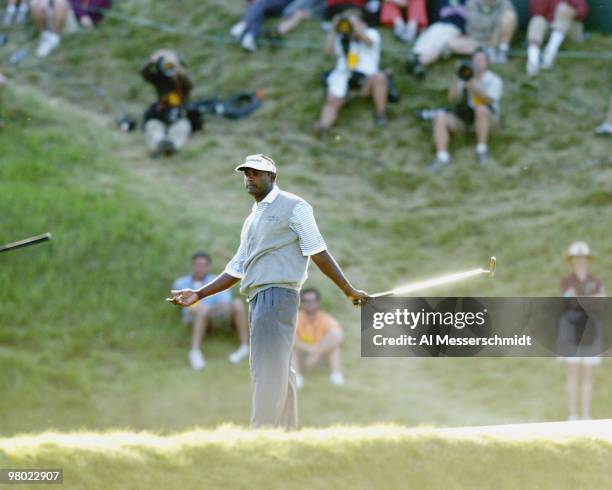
297 12
358 50
433 41
166 125
605 128
317 333
336 7
90 12
405 16
580 333
478 93
557 14
249 27
200 315
52 19
16 10
56 17
490 24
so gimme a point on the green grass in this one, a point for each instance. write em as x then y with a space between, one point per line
363 458
86 340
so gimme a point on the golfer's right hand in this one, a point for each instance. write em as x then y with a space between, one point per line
183 297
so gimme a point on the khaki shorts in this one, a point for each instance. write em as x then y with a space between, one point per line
220 317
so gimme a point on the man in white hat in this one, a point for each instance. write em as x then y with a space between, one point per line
580 353
277 240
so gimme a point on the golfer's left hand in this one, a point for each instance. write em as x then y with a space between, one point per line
357 296
183 297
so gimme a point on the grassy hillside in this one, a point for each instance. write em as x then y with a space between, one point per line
85 337
362 458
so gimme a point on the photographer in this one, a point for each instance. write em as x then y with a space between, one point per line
166 125
477 93
358 50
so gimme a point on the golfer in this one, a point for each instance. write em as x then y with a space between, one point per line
277 240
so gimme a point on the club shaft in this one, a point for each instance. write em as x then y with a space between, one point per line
436 281
26 242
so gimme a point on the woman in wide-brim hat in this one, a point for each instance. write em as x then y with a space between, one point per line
580 339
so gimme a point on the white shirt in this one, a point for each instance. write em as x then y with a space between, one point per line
302 222
489 84
366 58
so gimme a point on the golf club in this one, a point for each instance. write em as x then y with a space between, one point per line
438 281
26 242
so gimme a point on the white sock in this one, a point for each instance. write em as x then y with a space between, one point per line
481 148
533 54
443 156
504 47
554 43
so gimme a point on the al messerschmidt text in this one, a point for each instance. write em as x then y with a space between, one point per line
429 339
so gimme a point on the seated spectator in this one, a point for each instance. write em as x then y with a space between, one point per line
219 306
90 12
249 27
405 16
336 7
166 125
358 50
559 15
433 41
490 24
317 333
56 17
16 10
580 351
605 128
297 12
478 92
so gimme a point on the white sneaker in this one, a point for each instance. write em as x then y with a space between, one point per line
604 128
337 378
239 354
9 13
248 42
48 42
238 30
196 359
548 59
299 381
532 69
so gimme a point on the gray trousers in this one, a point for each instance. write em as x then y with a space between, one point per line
272 318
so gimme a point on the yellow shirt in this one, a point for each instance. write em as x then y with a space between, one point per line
311 329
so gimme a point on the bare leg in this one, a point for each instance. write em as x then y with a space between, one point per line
290 23
60 12
482 123
507 28
441 133
587 391
39 14
379 92
330 111
463 45
240 320
571 388
200 322
331 341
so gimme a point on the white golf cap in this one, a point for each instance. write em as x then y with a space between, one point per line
579 249
258 162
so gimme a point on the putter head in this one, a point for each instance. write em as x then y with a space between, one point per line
492 266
